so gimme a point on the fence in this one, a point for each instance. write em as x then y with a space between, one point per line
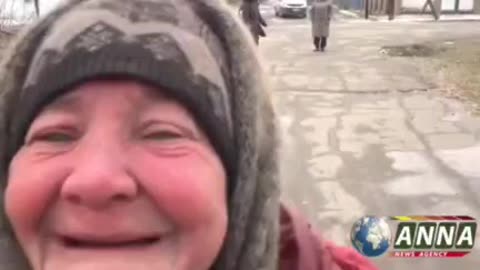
350 4
381 7
377 7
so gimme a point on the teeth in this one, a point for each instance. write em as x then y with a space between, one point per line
75 243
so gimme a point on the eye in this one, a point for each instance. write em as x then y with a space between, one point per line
55 137
52 136
163 135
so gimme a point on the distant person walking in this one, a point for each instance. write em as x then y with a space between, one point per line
320 15
250 12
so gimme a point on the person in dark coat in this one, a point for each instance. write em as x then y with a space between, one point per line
250 12
320 15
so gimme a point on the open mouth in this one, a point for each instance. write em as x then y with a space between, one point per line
72 242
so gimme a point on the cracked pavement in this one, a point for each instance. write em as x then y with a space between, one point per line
364 133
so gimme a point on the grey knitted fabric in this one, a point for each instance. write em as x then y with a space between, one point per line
201 53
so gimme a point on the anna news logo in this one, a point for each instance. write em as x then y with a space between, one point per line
415 236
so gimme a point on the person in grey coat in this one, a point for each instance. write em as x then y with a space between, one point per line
320 15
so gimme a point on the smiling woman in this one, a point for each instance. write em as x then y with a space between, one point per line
139 134
122 155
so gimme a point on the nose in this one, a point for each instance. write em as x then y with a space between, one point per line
98 181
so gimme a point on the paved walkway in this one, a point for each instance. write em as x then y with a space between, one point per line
364 133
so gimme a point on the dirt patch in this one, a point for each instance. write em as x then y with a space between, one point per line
413 50
454 70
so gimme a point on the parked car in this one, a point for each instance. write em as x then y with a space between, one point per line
296 8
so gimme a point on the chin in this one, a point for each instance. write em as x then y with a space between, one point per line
119 264
145 258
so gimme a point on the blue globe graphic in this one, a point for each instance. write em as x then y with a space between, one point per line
371 236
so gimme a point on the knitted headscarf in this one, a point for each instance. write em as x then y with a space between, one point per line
200 53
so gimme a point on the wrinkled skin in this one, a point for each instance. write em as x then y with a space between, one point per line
114 176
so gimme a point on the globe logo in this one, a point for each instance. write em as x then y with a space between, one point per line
371 236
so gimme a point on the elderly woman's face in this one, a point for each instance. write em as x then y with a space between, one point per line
114 176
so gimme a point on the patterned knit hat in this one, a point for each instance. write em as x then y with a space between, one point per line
197 52
155 42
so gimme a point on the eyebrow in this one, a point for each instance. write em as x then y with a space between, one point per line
67 103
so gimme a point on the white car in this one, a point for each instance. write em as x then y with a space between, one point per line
290 8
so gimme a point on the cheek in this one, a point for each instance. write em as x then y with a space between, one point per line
29 191
189 189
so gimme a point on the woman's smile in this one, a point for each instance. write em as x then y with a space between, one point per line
90 240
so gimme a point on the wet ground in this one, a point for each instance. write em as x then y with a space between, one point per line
366 133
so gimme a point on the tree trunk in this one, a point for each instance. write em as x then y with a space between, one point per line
37 7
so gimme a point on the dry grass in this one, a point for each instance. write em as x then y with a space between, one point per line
459 67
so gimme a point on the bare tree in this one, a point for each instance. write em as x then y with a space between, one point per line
37 6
